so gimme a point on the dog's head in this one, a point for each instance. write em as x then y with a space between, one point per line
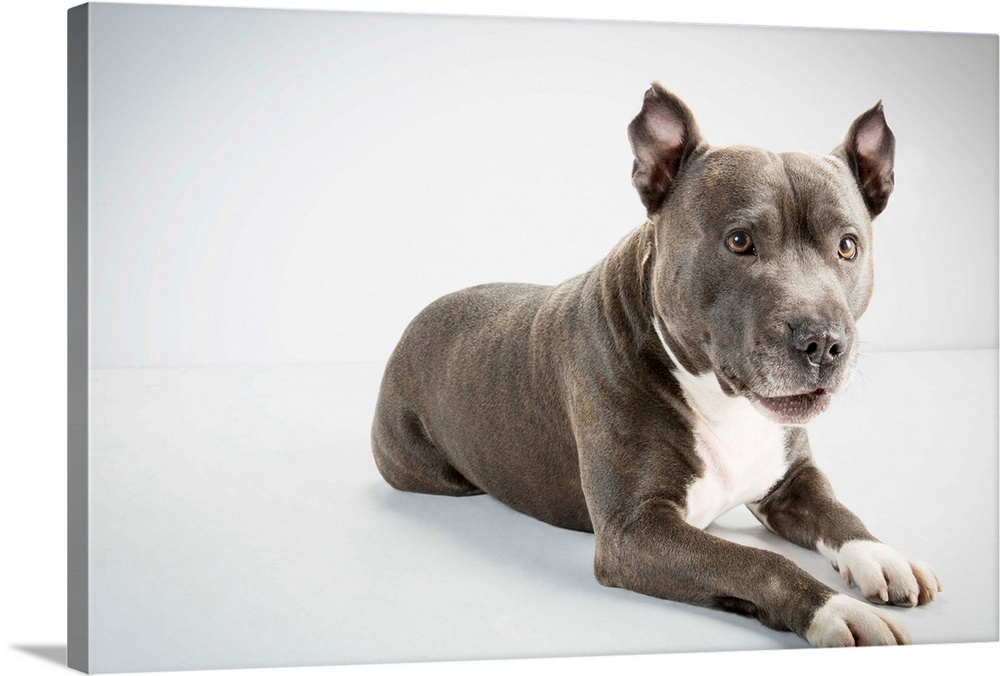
763 261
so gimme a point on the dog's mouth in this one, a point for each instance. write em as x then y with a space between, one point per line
796 409
790 409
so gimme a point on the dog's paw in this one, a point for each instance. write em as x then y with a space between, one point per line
883 575
846 621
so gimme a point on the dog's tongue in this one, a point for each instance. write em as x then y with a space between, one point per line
795 409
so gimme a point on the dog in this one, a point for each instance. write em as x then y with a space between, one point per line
672 382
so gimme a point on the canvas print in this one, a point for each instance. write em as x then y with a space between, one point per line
403 338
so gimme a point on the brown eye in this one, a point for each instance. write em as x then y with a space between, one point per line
848 249
740 243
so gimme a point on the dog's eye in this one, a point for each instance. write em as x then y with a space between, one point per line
848 249
740 243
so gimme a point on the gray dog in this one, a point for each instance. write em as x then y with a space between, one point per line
671 383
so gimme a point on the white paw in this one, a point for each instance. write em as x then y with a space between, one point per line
846 621
882 574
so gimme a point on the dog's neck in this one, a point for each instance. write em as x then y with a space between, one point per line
621 284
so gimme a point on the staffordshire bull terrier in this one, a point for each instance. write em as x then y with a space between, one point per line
670 383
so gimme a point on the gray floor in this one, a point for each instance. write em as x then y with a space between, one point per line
237 520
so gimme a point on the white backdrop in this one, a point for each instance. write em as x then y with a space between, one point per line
280 186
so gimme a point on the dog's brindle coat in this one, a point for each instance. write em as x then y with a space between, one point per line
670 383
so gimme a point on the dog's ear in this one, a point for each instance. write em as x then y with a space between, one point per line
869 149
663 135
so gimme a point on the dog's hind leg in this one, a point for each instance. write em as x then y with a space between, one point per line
408 459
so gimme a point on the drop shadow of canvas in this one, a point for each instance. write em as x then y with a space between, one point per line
50 653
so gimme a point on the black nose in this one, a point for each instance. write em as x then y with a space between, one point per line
820 344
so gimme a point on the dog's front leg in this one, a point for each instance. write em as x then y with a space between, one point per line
802 508
659 554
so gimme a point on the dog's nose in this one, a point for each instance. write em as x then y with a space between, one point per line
820 345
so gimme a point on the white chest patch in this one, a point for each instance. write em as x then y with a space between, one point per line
743 451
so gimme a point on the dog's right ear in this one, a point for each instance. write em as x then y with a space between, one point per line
663 135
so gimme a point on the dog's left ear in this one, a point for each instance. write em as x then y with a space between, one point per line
663 135
869 150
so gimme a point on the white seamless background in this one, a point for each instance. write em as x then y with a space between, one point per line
283 186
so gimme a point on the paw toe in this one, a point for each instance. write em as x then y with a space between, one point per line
844 621
927 581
